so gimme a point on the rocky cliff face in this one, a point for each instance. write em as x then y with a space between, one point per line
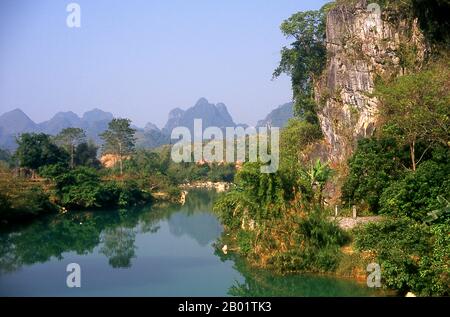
361 44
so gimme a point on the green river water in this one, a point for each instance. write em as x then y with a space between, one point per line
164 250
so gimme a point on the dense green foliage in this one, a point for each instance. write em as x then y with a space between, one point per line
82 188
74 178
5 156
37 150
406 167
20 200
373 166
403 172
413 257
297 135
317 241
277 218
257 196
417 193
86 155
415 108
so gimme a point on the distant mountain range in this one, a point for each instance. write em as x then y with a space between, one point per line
16 121
278 117
96 121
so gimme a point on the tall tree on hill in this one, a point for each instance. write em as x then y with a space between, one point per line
304 59
415 108
119 139
70 138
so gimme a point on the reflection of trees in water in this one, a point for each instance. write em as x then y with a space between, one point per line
264 283
202 227
118 246
199 201
9 259
54 235
81 232
195 219
47 238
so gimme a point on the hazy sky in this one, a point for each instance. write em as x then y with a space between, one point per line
141 58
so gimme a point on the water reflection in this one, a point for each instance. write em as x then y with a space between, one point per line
151 251
118 246
263 283
113 231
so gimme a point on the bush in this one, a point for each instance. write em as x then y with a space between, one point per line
373 167
316 247
321 232
82 188
245 241
435 267
416 194
19 201
413 256
53 170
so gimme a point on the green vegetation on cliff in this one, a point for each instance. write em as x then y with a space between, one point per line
282 221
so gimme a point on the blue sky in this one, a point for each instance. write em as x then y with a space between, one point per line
141 58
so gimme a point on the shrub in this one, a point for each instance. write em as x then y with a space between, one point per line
82 188
321 232
416 194
245 241
413 256
53 170
435 267
373 167
20 202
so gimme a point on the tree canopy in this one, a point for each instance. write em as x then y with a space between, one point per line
416 108
69 138
36 150
119 139
305 59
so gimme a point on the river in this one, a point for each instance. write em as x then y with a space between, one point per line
164 250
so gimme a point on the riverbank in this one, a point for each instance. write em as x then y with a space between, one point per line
217 186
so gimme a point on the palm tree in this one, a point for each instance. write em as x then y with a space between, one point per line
318 175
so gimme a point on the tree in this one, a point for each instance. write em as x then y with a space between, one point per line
374 165
318 174
416 108
119 246
119 139
70 138
305 59
417 193
86 155
37 150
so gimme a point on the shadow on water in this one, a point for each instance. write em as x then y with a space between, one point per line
126 239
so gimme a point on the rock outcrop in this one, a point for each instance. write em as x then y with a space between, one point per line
361 44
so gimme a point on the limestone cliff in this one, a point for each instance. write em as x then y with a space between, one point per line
361 45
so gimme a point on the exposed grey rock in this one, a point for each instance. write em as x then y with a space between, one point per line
360 45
